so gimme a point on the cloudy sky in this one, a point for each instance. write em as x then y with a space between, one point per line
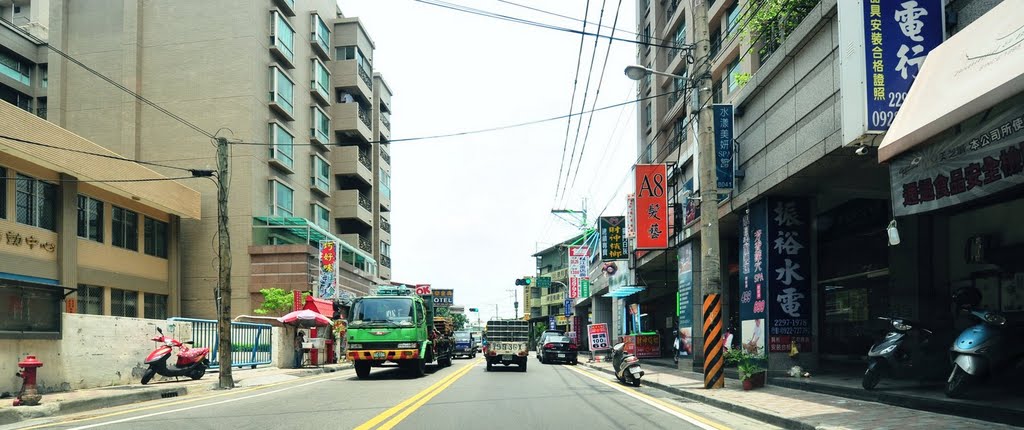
469 211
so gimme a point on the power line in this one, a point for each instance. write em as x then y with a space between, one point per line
112 82
108 156
546 12
484 13
572 101
484 130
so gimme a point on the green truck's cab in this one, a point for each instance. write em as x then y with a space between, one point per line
395 325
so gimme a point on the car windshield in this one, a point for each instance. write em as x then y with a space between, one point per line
383 310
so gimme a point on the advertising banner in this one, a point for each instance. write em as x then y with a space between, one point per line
561 320
577 326
648 346
443 298
598 335
723 127
651 206
328 280
574 288
579 261
685 298
584 287
614 245
753 285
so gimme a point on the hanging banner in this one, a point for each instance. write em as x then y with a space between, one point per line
576 328
723 127
684 299
651 207
551 322
574 288
630 216
598 335
753 285
579 261
613 238
328 280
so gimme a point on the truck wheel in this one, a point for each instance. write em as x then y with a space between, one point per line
472 356
488 366
444 362
522 367
362 369
419 368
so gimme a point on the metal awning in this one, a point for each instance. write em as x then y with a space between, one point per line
304 230
970 72
623 292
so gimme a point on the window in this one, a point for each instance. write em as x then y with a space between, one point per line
155 238
716 92
385 248
321 79
3 193
37 202
124 303
282 196
732 16
282 90
321 174
14 68
647 115
321 125
281 150
321 216
282 36
716 41
90 299
646 39
125 226
90 218
45 81
734 72
155 306
321 33
354 53
30 310
385 184
649 77
680 38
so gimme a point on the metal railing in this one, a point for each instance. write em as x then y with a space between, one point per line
251 344
364 159
364 116
384 119
384 155
385 261
365 76
670 9
364 244
385 225
364 201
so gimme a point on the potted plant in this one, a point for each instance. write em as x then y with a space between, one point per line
748 364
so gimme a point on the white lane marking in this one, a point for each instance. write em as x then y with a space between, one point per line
124 420
655 404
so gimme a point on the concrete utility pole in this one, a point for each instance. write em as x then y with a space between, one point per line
710 276
224 276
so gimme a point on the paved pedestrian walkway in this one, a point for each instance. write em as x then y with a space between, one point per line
798 409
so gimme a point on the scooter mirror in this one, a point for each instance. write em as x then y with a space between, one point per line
159 331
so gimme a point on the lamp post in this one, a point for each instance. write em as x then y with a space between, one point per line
710 277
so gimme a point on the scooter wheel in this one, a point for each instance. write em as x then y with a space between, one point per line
958 382
872 377
635 382
148 376
198 374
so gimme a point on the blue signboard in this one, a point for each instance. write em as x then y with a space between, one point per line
723 144
789 274
898 35
753 267
568 306
551 322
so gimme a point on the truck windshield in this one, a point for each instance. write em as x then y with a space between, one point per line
462 336
383 310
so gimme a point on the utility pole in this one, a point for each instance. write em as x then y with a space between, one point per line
710 276
224 275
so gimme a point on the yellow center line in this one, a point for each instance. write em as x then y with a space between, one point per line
398 418
652 399
427 394
235 391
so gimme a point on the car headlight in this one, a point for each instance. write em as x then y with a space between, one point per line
887 349
408 345
355 346
995 319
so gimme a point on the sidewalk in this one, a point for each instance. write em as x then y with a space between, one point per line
70 402
799 409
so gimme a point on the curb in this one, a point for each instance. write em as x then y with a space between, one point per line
775 420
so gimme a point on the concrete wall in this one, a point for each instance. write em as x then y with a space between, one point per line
96 351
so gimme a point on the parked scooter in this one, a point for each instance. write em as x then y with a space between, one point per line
626 366
983 350
908 350
191 362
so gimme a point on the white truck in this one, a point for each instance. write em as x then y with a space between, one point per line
507 343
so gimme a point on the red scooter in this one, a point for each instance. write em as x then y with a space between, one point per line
192 362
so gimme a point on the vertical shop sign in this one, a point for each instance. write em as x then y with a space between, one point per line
613 238
551 322
598 334
651 207
328 280
723 117
579 268
753 285
630 216
568 306
789 266
685 297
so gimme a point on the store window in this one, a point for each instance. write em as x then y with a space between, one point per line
125 226
90 299
37 202
31 311
124 303
90 218
156 306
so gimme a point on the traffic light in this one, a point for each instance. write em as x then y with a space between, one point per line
474 309
524 281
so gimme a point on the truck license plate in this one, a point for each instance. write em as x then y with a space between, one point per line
379 355
507 357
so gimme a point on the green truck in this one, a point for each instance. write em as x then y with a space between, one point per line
396 325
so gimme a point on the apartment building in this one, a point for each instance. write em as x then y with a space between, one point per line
23 71
290 82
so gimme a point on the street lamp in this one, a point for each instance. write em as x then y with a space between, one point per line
636 73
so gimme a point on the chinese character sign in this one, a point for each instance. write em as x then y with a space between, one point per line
984 158
685 286
723 128
613 238
443 298
630 216
898 35
328 280
598 335
579 261
651 206
789 274
574 288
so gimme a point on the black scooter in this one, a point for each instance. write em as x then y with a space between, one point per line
906 351
626 366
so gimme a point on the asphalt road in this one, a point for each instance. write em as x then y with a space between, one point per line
461 396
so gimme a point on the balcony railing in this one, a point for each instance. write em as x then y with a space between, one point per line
364 244
670 9
364 201
364 158
385 156
385 119
365 77
364 116
385 261
41 112
385 225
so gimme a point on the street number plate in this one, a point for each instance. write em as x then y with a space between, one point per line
506 357
634 370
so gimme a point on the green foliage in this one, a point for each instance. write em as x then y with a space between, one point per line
460 321
747 363
771 21
276 301
742 79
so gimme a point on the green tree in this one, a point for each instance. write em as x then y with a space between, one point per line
276 301
460 321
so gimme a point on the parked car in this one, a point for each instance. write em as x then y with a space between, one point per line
557 348
543 337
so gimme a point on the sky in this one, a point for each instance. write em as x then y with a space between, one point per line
469 212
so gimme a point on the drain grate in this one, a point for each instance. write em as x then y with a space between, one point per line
169 395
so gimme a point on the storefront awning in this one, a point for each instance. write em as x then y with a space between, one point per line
967 74
622 292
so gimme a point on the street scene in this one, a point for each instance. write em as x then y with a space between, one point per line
754 214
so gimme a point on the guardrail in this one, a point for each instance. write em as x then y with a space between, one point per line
251 344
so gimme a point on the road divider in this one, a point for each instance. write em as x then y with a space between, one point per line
402 410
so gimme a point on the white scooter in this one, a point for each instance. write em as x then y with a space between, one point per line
626 366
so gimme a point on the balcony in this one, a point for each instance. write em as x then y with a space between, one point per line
386 262
385 122
287 6
351 122
352 162
358 241
385 156
348 76
385 224
352 205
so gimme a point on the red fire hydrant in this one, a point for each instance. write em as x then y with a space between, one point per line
29 394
